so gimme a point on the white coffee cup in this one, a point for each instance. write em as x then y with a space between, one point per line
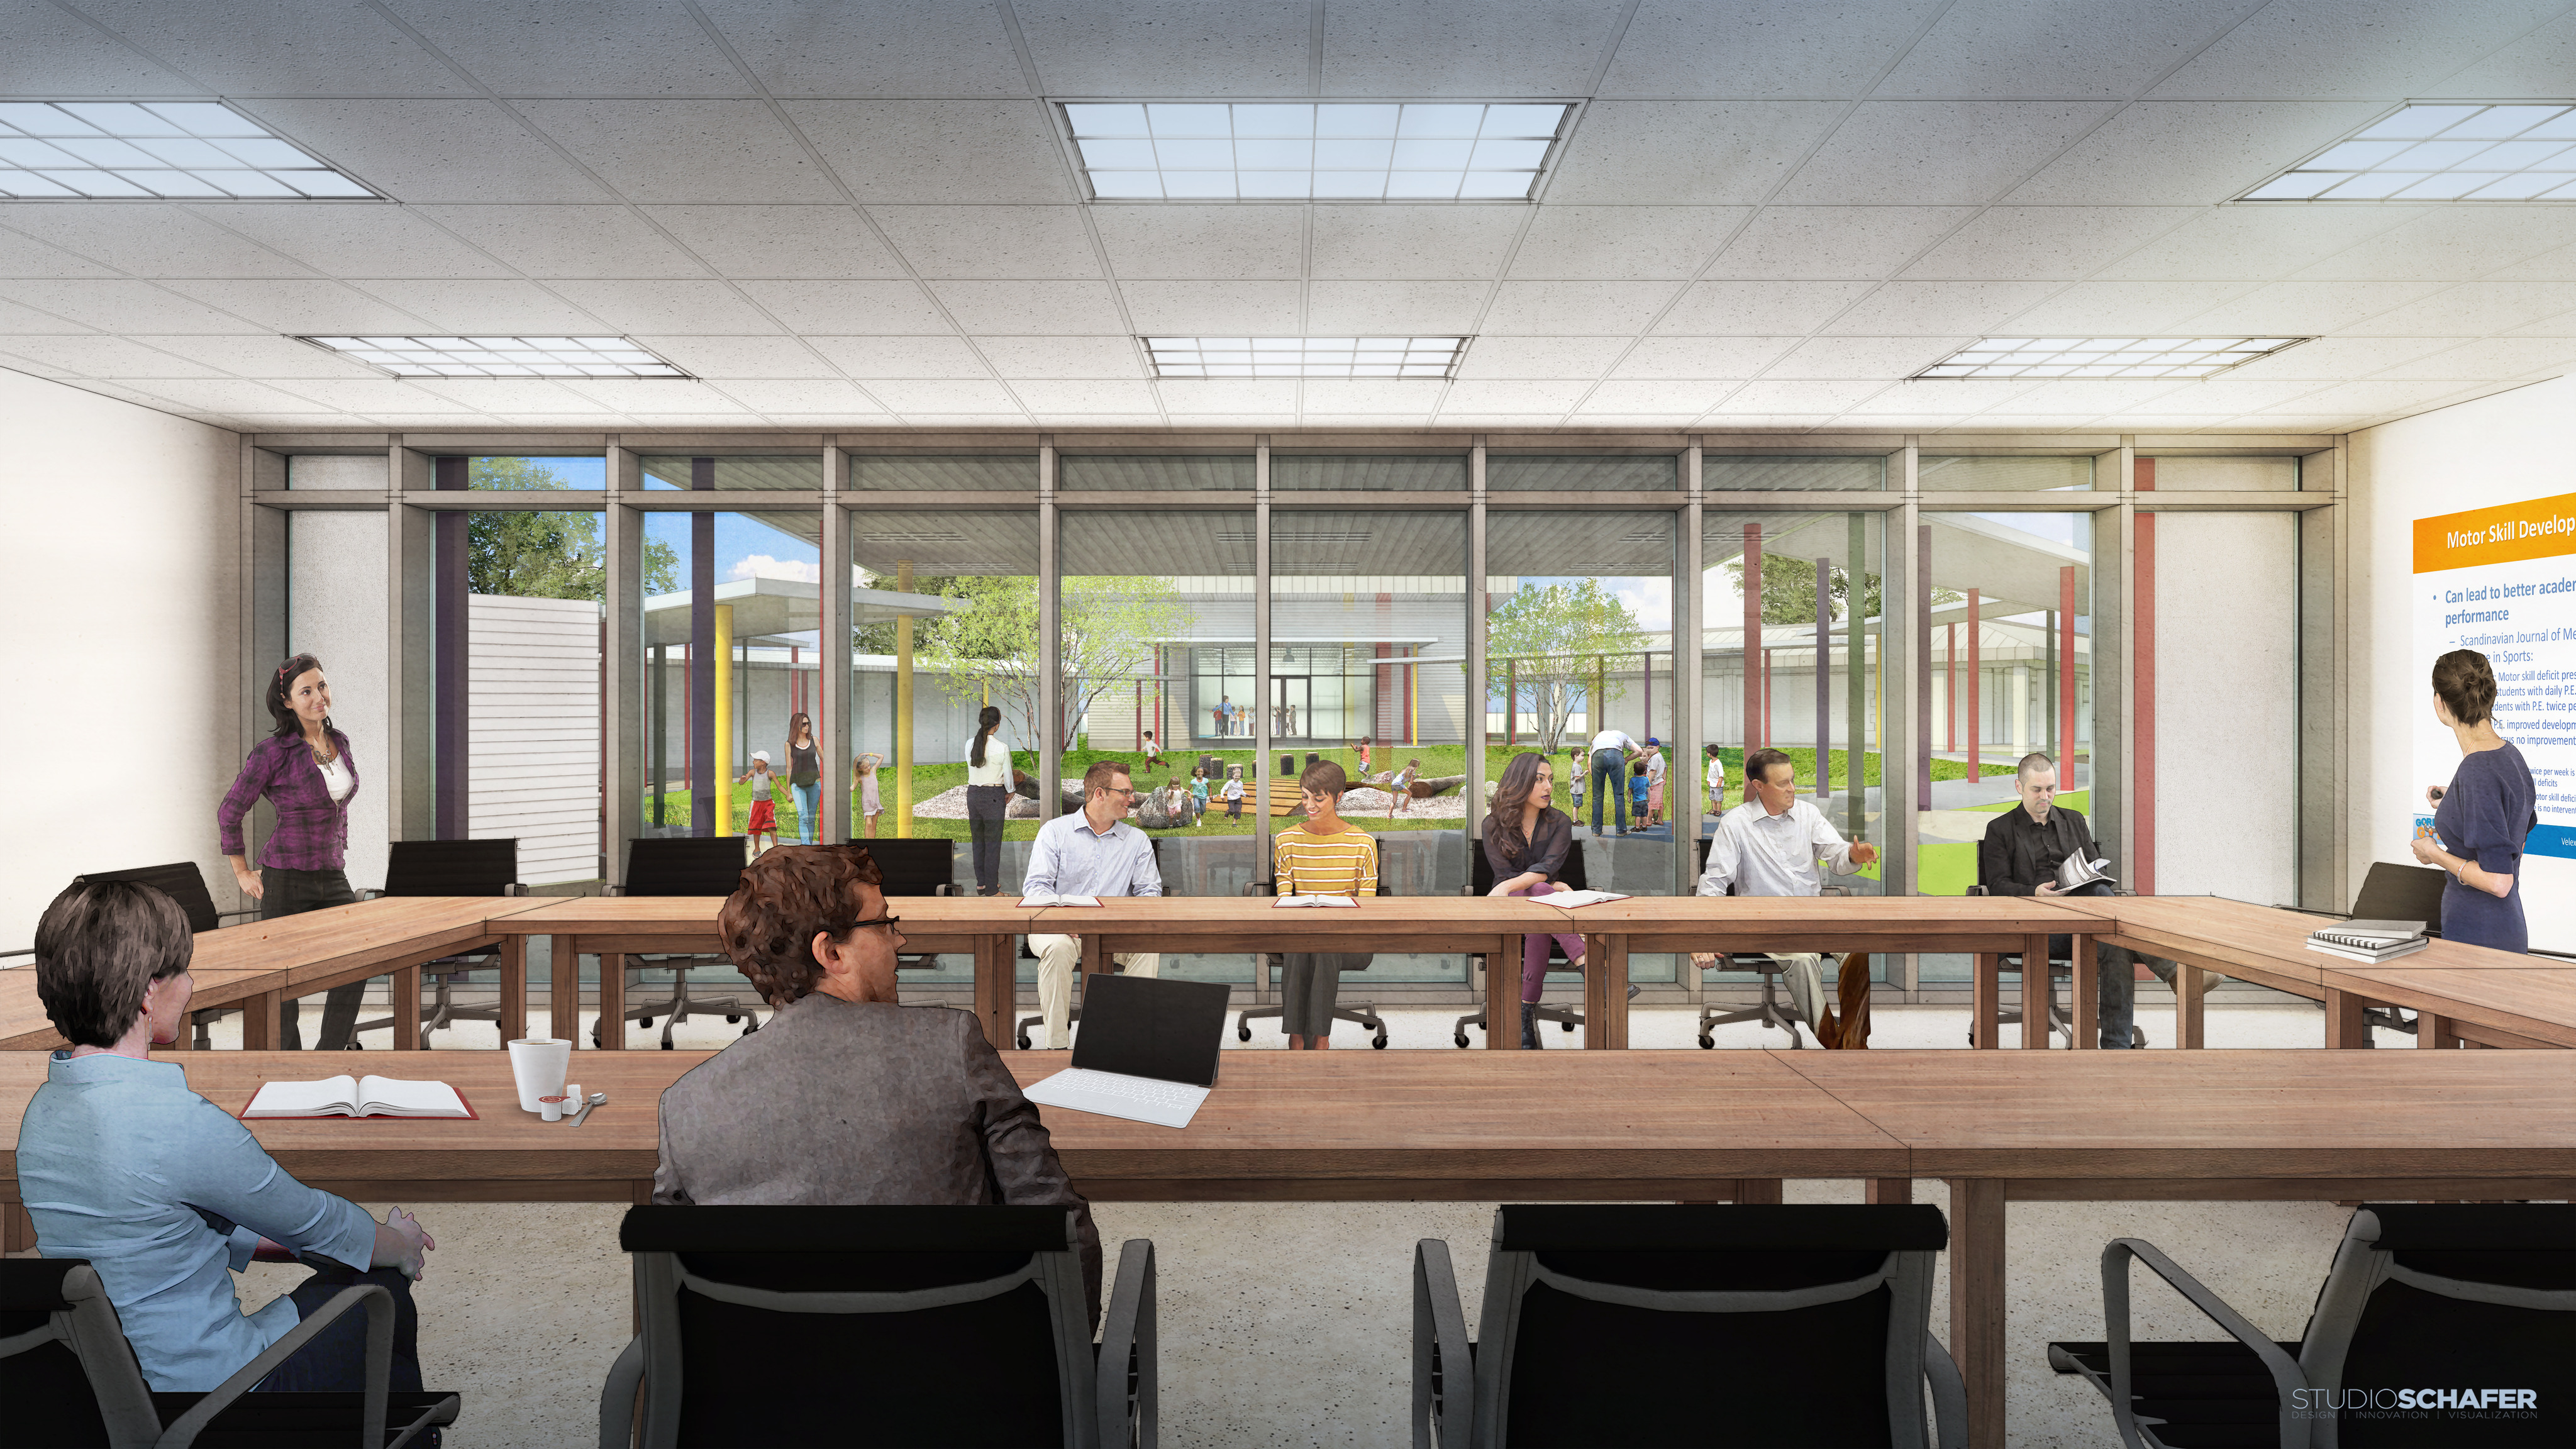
539 1066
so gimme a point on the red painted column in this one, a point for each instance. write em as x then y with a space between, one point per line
1950 672
1752 636
2142 736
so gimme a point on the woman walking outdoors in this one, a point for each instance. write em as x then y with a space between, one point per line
988 795
305 769
805 778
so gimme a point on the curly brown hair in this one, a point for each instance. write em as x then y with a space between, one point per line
2466 684
785 897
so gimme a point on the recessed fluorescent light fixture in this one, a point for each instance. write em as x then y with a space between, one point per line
1427 357
173 149
2522 151
2105 357
1158 151
501 356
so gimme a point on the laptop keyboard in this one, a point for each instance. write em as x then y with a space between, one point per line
1143 1091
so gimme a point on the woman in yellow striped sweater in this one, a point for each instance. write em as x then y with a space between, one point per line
1322 857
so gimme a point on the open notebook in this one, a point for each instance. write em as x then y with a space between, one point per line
357 1097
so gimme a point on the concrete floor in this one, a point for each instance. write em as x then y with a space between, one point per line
1290 1324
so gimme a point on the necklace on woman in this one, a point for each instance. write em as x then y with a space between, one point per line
318 747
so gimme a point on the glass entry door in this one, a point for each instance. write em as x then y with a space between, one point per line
1291 707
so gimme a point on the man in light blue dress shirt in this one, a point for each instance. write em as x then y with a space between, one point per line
165 1193
1095 853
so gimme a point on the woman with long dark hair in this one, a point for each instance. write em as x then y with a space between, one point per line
988 795
1526 840
305 770
805 777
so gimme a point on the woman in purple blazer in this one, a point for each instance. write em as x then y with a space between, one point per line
306 770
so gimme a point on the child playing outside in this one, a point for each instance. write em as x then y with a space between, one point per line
1153 751
870 805
1198 793
1363 749
1176 800
1574 776
764 810
1401 788
1234 792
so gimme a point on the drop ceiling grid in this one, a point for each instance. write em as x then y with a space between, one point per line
892 241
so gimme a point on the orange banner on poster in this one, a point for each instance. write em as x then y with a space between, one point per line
2534 528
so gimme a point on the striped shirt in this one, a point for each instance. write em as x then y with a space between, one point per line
1343 864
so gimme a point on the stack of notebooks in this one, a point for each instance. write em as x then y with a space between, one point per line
2369 940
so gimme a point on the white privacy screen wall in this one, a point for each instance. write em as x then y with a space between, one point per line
335 611
2227 703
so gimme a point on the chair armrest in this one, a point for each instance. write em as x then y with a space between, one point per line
1126 1332
228 915
378 1302
2305 911
617 1396
514 888
1439 1322
1949 1395
949 889
1835 891
1261 887
613 890
2116 1255
371 894
1978 890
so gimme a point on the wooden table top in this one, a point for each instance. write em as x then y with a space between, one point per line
260 956
1476 1126
2537 1001
2266 940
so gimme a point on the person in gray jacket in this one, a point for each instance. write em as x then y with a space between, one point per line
844 1096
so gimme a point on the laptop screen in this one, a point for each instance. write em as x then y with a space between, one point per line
1143 1026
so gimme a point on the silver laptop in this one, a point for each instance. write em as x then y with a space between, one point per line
1147 1050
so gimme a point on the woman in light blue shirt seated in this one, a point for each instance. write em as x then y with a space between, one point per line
166 1193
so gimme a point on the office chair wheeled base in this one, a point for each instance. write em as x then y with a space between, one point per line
1772 1012
679 1006
1363 1014
1566 1018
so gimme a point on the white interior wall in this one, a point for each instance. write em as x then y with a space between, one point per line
2227 706
2500 449
532 732
335 611
123 654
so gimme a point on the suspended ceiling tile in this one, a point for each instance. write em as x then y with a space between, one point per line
1786 242
2255 242
685 150
2120 309
1312 419
1575 308
2331 359
1228 395
106 357
80 60
1545 398
2140 422
1760 48
2475 307
1903 308
509 309
2051 242
2299 309
1180 241
1051 397
1063 357
2360 48
2187 153
2042 48
886 48
1541 357
1626 242
509 395
820 309
789 395
2537 64
2398 397
260 355
354 240
346 51
301 307
1885 358
779 241
25 256
1386 309
225 394
1757 309
1372 395
568 241
632 307
865 357
576 47
1933 153
2492 358
1748 420
990 241
653 397
2236 393
931 152
1819 396
1656 397
1702 357
1377 243
957 395
150 240
20 301
377 395
1221 309
739 357
418 151
1075 308
1168 48
1687 153
2451 244
2103 395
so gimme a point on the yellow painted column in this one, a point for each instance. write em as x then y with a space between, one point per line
903 708
724 719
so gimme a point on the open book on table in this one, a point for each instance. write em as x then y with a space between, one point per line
357 1097
1043 899
1340 902
1572 899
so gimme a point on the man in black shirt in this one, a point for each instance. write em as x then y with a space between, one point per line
2019 857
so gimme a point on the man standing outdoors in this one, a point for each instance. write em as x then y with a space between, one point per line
2020 856
1095 853
1769 846
1611 751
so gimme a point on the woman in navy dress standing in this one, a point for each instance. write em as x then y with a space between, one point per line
2482 817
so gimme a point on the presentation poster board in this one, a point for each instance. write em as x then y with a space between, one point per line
2502 581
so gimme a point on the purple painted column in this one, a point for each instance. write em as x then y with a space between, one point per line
702 653
451 679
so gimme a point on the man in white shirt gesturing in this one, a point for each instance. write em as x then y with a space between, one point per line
1770 846
1095 853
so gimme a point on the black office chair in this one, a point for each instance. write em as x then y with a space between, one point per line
1020 1034
1266 965
1480 879
449 868
2392 892
2060 968
2422 1297
1689 1325
915 867
681 865
1772 1012
183 883
69 1377
970 1326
